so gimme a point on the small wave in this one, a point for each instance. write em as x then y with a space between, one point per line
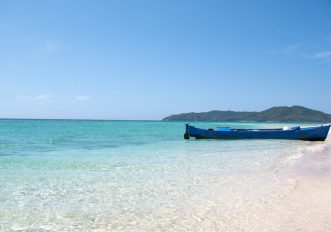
310 148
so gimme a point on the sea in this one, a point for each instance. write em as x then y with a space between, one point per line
90 175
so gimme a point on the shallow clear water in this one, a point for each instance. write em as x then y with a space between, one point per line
73 175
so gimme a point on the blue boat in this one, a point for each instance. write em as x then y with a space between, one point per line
318 133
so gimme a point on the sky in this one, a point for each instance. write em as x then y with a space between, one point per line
147 59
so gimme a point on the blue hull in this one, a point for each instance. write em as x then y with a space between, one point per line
296 133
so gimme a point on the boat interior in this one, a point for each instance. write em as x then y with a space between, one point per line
272 129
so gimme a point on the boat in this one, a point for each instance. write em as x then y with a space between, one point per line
316 133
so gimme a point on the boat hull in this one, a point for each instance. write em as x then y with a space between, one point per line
310 134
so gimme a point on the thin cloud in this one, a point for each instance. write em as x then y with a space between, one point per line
23 98
322 55
81 98
44 97
303 51
49 46
39 98
290 49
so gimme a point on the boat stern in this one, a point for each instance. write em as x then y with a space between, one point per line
187 134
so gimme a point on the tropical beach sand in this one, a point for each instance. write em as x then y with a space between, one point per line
305 205
308 207
301 202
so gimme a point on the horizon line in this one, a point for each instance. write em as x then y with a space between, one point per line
81 119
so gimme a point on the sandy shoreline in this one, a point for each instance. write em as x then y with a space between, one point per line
308 206
310 202
301 202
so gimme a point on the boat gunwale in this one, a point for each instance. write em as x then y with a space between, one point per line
316 133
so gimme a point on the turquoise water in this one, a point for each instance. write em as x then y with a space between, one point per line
75 175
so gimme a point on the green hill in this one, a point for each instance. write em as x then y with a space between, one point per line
274 114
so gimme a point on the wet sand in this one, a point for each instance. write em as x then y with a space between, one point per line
308 206
302 202
310 203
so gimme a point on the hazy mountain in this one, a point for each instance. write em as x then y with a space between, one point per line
274 114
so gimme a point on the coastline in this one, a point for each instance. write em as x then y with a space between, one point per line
300 201
306 204
309 205
82 182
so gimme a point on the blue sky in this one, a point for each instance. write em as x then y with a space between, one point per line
148 59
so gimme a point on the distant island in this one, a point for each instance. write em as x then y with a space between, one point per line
274 114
